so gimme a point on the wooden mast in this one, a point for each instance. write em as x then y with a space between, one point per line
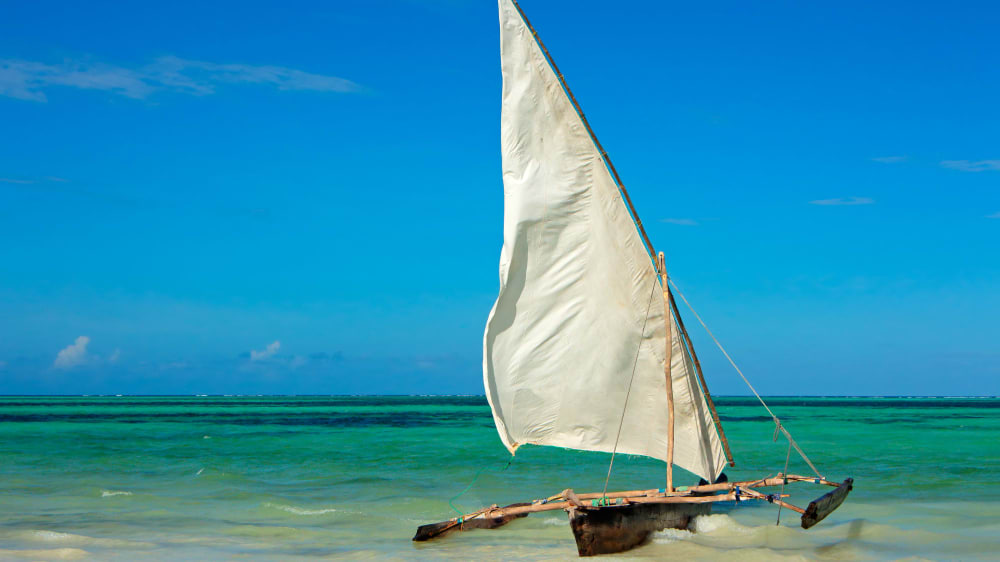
662 269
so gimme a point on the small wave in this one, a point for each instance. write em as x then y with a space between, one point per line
46 554
112 493
299 510
72 540
667 536
721 523
200 470
554 521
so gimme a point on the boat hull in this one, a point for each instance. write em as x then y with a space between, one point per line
617 528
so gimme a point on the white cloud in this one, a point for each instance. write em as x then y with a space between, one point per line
970 166
995 215
890 159
684 222
115 356
72 355
844 201
268 351
12 180
28 80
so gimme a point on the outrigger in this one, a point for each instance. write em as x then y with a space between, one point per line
585 347
618 521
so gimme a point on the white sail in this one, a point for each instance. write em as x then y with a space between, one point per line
580 301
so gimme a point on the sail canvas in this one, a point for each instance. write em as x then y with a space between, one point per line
580 305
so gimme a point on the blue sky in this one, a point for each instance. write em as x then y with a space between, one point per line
305 197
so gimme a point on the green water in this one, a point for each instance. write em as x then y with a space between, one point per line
202 478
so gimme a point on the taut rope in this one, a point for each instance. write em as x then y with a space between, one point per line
629 390
777 422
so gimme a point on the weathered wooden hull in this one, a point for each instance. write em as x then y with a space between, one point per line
617 528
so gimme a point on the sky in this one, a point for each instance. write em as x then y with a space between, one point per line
305 197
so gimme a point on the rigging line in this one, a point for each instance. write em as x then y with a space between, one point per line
469 487
628 391
784 479
742 376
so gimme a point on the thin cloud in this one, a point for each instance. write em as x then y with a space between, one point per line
890 159
12 180
29 80
115 356
73 354
684 222
267 352
995 215
970 166
844 201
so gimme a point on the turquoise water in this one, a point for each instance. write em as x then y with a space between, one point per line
135 478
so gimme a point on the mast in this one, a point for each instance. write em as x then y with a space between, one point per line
590 131
662 269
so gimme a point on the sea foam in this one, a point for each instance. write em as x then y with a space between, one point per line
299 510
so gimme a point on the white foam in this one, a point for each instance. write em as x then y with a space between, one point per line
112 493
200 470
47 554
554 521
56 537
667 536
299 510
719 523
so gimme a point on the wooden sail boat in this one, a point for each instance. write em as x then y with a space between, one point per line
585 347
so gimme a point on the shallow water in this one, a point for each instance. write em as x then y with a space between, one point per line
148 478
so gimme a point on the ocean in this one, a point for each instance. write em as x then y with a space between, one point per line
285 478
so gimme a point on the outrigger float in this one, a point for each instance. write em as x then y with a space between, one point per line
585 347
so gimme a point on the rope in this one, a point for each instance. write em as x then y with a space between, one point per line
629 389
777 422
784 478
469 487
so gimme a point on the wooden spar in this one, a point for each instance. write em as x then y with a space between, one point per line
701 378
590 131
757 495
534 508
662 267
